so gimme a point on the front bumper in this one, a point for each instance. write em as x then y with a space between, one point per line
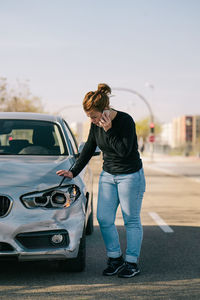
25 234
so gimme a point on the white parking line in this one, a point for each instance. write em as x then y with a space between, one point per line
161 222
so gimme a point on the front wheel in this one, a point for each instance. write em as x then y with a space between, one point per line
90 224
76 264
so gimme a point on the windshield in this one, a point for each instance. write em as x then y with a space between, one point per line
31 137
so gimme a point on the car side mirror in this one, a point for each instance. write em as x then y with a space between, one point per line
81 146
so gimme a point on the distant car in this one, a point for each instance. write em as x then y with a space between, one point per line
42 215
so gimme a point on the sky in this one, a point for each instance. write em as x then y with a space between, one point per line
64 48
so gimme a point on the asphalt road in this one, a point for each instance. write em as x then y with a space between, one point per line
170 261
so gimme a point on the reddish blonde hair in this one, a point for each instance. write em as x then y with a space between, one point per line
98 100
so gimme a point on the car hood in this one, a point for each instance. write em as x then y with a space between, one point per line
31 171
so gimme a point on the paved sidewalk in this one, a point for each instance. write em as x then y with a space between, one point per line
157 157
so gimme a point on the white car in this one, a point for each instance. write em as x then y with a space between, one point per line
42 216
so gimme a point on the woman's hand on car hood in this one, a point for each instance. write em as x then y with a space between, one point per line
65 173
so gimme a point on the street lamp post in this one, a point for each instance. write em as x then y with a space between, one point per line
149 109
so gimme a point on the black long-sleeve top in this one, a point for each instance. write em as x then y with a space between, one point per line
119 146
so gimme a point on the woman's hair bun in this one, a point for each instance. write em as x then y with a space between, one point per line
98 100
104 88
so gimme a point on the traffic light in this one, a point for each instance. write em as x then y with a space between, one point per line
152 127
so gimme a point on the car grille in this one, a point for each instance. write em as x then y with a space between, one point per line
5 205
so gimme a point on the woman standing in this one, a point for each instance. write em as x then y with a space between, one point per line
121 182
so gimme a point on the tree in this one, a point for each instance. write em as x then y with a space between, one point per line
143 129
3 90
18 98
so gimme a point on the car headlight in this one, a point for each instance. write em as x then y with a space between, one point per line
61 197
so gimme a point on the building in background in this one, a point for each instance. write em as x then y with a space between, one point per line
196 134
186 130
196 129
183 133
166 136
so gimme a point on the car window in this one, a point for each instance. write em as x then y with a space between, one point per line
31 137
72 140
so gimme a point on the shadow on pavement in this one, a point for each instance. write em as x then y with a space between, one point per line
170 269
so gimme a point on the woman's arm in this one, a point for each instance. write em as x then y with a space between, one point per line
86 154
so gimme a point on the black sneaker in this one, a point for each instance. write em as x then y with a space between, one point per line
129 270
114 266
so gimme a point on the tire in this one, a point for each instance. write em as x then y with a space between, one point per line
90 224
76 264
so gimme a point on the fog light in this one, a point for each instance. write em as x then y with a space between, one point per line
57 238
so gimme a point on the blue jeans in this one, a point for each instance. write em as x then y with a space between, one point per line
126 190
